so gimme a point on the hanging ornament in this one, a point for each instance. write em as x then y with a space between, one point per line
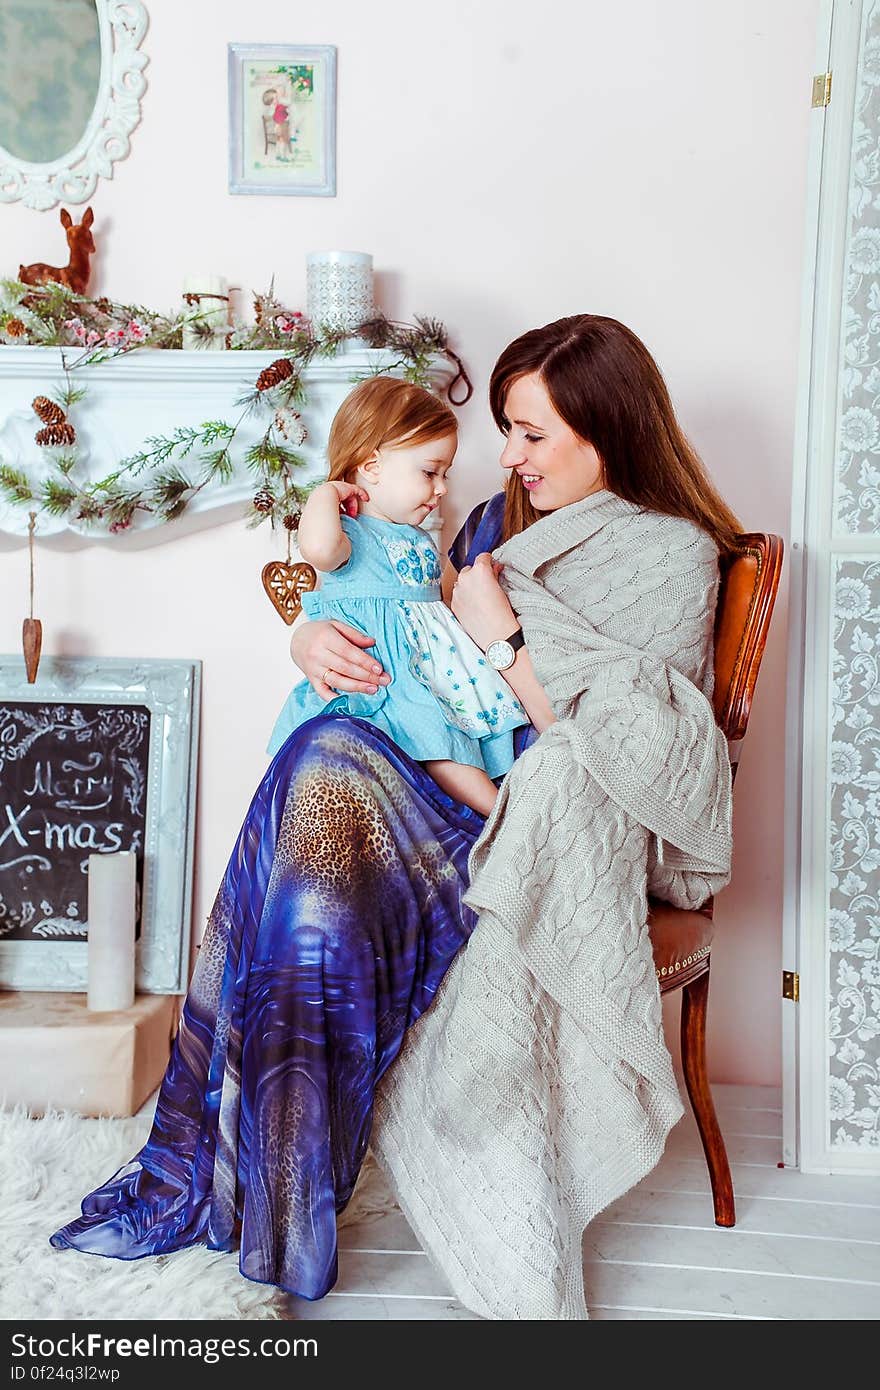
286 583
264 500
31 628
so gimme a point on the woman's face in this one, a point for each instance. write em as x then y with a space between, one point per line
554 464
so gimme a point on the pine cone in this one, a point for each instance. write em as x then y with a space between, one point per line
274 374
55 435
49 411
289 425
264 500
291 523
15 328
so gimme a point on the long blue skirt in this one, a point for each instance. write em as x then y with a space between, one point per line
338 915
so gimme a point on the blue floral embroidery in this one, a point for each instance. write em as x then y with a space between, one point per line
414 564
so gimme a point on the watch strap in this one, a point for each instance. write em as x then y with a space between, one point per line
517 639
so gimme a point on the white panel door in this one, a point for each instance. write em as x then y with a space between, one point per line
832 898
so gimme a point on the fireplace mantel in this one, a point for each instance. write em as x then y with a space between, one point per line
150 392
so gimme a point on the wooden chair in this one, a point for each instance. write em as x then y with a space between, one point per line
682 940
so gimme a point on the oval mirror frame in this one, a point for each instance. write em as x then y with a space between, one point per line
117 110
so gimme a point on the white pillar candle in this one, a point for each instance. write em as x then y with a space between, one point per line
211 310
111 910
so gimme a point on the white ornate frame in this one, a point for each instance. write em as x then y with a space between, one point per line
117 110
171 692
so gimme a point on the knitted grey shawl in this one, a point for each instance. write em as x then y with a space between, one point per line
538 1087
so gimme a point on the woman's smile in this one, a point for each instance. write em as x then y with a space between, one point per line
530 480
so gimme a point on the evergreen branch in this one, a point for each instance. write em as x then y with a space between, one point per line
212 430
219 465
15 484
57 499
167 488
268 456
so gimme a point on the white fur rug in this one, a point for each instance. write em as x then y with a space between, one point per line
47 1166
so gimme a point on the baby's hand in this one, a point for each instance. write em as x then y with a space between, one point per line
350 495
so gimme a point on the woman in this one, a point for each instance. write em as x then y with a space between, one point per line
536 1087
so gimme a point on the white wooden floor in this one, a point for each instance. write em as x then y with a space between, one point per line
804 1246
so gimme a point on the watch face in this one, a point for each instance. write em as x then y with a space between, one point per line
500 655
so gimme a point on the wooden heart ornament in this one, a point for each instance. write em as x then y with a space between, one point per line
286 584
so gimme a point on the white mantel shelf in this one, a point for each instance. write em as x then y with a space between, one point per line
151 392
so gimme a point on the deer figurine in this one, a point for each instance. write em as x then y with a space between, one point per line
75 275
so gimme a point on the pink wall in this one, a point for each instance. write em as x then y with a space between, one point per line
506 164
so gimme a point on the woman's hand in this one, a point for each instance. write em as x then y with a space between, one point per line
480 604
329 648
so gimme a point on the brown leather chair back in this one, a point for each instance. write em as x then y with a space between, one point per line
746 595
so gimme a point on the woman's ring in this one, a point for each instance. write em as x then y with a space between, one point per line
325 675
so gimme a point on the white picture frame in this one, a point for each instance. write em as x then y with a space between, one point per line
282 119
73 749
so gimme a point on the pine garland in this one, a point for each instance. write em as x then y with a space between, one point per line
54 316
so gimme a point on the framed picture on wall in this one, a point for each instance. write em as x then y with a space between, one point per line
282 119
97 755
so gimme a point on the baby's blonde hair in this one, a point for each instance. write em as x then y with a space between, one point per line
383 411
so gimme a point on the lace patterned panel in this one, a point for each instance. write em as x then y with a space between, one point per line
857 481
854 853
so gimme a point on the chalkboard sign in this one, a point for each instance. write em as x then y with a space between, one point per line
73 782
97 755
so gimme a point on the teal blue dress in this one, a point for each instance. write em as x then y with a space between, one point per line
445 701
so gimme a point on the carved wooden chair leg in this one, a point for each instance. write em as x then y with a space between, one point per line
693 1059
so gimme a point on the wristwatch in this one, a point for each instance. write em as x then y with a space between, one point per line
502 654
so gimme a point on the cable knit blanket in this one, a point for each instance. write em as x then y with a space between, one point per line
538 1087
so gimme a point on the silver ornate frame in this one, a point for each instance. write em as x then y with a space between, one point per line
117 110
171 691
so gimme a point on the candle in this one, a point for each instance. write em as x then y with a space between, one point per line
206 301
111 911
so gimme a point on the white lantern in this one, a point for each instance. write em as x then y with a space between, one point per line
339 288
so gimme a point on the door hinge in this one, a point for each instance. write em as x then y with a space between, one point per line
791 985
822 89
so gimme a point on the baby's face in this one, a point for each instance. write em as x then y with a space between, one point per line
407 481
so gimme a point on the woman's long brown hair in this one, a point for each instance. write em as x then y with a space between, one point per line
607 387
